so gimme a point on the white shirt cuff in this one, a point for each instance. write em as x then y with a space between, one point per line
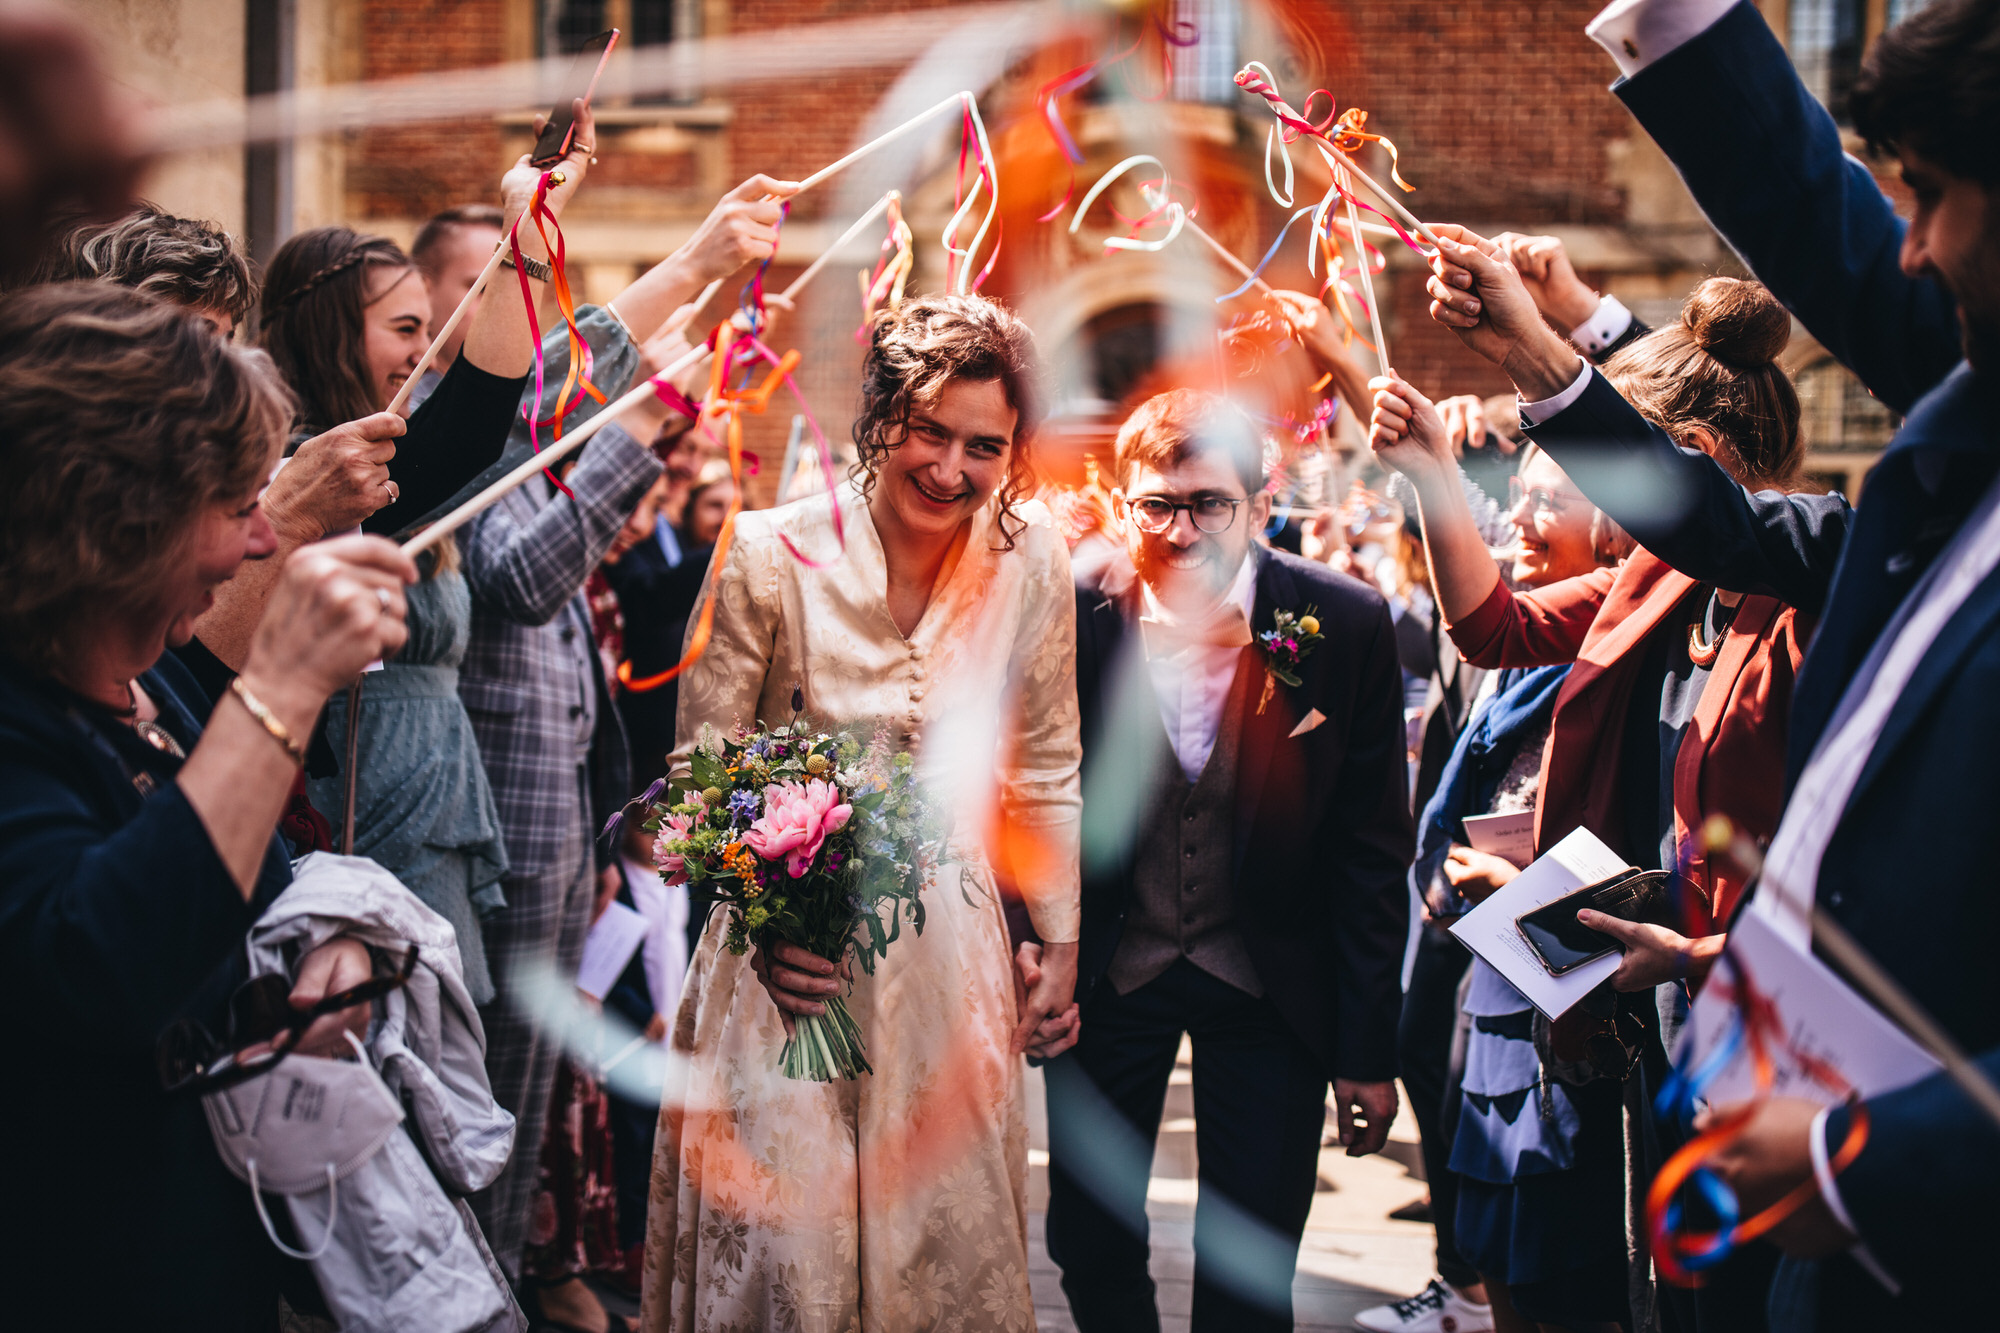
1602 329
1534 414
1822 1166
1639 32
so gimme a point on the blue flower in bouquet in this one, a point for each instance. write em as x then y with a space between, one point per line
743 806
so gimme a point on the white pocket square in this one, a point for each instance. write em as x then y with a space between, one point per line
1307 723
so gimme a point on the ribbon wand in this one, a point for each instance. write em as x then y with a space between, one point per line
1367 285
637 394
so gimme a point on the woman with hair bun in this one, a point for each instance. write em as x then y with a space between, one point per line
1674 710
900 1197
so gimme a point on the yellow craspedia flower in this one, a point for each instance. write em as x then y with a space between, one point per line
817 764
1308 624
712 795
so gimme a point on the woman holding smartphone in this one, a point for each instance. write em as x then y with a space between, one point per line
1672 710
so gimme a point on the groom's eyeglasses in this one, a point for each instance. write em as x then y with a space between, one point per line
1210 513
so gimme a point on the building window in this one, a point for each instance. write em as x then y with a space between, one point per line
1825 41
562 26
1206 71
1838 413
567 24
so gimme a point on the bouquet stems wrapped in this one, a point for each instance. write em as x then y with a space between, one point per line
808 837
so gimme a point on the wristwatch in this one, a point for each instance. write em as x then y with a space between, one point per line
534 268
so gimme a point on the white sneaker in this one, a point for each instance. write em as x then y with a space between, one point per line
1435 1309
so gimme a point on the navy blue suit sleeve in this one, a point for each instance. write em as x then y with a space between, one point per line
1367 844
1763 160
1922 1190
113 929
1684 508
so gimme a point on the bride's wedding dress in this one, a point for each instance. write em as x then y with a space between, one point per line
896 1201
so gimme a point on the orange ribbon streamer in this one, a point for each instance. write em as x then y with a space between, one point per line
728 405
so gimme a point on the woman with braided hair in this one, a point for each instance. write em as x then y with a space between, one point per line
345 318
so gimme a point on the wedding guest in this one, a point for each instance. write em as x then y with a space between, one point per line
187 261
1253 900
1673 710
452 249
346 317
136 830
1911 308
900 1197
332 481
554 752
1495 768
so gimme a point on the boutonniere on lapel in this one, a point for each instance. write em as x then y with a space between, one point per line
1288 642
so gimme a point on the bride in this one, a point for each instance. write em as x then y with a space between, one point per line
896 1201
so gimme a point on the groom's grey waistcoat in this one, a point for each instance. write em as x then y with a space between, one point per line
1183 897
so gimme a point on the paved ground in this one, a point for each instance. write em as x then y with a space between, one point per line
1354 1256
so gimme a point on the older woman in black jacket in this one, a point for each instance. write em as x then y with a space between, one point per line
136 843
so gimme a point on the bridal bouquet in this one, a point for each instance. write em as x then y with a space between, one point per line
809 837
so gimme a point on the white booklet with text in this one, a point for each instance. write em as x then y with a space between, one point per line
1489 929
1821 1014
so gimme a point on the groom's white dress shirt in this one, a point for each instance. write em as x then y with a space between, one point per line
1193 683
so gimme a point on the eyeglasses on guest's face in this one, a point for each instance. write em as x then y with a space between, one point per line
1539 499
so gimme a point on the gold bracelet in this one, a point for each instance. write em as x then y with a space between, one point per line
279 731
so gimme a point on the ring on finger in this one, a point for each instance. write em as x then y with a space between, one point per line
382 598
393 491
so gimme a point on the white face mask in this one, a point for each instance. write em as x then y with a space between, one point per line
301 1128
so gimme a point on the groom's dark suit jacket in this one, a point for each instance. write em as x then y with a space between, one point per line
1323 829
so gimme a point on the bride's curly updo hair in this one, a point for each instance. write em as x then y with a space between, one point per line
1717 366
919 347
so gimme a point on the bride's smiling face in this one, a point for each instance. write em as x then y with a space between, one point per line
954 456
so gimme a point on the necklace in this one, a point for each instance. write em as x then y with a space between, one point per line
148 730
1702 654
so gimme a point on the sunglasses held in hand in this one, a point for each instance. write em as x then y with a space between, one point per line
190 1060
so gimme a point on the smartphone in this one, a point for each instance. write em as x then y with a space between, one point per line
1565 944
581 83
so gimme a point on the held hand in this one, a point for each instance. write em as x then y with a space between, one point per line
337 606
1477 875
1405 431
517 187
1550 279
338 964
1049 994
335 480
1768 1160
1056 1033
797 981
656 1029
743 226
1368 1131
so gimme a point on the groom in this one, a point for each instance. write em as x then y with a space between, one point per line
1246 841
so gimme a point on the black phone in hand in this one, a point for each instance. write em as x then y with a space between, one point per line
1564 944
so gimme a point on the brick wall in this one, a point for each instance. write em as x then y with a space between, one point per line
1500 110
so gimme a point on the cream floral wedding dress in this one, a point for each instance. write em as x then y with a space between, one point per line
896 1201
